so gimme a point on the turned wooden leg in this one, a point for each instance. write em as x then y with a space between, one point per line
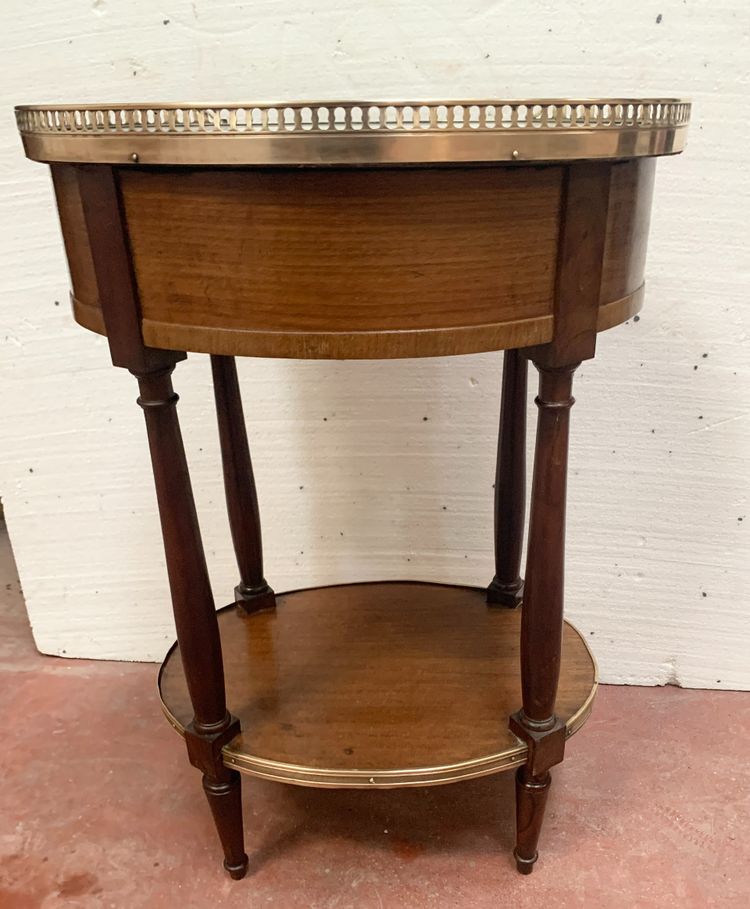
195 617
253 592
531 799
506 588
542 614
224 795
192 602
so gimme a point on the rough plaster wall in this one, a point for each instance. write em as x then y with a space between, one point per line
384 470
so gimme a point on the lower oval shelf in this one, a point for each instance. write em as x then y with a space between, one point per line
377 685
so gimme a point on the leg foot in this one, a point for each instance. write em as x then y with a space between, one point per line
225 799
236 872
253 599
531 799
525 866
509 595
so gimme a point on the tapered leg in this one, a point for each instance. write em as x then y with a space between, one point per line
542 617
195 617
542 614
531 799
224 795
252 592
506 588
192 602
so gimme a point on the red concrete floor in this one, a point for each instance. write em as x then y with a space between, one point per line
99 808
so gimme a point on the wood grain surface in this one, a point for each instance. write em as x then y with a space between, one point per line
580 261
85 294
376 677
628 220
417 263
290 256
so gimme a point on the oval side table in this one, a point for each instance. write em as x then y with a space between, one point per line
362 230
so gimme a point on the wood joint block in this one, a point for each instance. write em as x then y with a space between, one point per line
546 746
204 748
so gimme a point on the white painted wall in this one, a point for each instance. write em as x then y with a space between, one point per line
659 520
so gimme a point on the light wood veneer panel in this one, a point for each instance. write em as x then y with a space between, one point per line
344 251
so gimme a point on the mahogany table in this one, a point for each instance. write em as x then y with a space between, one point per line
362 230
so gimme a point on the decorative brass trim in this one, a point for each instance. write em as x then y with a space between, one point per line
355 132
325 778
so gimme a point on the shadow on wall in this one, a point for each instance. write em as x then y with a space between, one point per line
395 462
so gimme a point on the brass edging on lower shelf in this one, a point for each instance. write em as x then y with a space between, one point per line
385 779
374 780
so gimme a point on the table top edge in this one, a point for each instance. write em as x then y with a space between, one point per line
355 133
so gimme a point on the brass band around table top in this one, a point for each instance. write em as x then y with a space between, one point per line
355 132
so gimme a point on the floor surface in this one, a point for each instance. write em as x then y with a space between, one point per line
99 808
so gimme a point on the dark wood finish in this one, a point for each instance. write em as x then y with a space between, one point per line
211 724
586 200
542 622
193 605
581 253
579 264
506 588
531 800
376 677
253 591
224 794
541 628
118 297
192 599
